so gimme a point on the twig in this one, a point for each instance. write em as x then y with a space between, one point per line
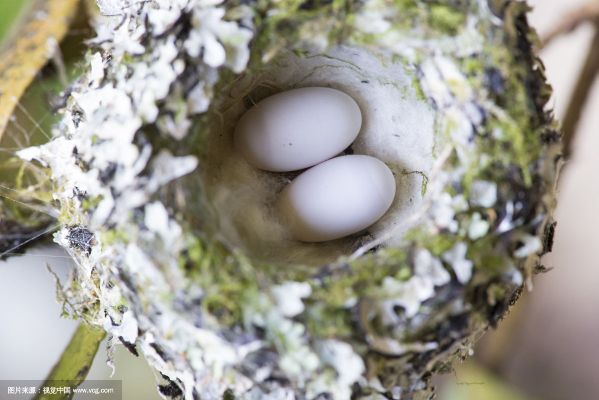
587 13
74 363
581 92
28 53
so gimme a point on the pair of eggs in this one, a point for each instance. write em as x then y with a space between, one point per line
303 128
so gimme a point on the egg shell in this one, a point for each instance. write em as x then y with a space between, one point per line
339 197
298 128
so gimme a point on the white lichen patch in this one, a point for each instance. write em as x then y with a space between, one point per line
478 227
428 273
456 257
530 245
288 297
483 193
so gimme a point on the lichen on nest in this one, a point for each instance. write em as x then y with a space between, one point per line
133 153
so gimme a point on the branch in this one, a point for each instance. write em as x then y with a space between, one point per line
581 93
587 13
74 363
29 52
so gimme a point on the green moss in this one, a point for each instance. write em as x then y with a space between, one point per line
112 236
364 276
446 19
406 5
278 30
90 203
473 66
224 279
485 256
328 322
519 125
436 244
228 395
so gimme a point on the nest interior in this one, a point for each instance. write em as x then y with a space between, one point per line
398 128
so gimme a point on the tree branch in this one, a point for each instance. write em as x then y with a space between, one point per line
75 362
587 13
581 93
28 53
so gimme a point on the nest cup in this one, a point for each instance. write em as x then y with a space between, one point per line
398 128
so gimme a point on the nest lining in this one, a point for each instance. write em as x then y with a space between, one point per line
398 128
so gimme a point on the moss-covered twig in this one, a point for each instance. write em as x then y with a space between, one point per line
75 362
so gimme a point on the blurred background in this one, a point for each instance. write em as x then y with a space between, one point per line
546 349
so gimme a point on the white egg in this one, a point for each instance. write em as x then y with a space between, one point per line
339 197
298 128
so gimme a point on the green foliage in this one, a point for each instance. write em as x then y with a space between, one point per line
446 19
10 12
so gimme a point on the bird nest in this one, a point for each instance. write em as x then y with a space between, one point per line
179 253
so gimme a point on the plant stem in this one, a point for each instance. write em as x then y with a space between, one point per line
74 363
30 51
